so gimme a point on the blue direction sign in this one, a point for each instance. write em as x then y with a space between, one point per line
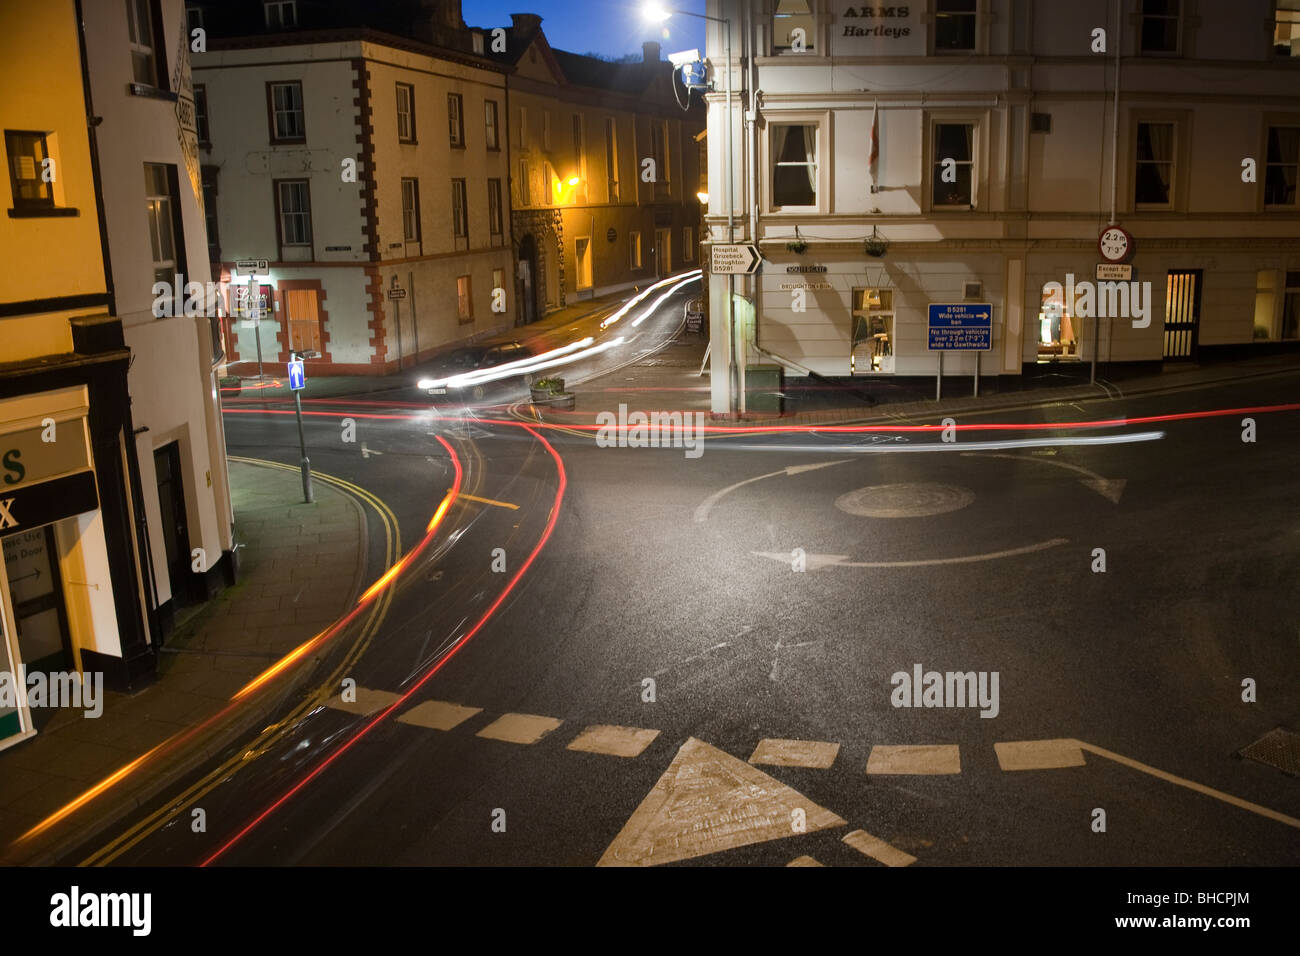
961 327
297 377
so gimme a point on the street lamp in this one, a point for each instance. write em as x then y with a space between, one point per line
656 13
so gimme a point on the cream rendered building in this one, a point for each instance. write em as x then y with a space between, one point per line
1008 135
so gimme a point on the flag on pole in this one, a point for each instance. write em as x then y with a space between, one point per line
873 154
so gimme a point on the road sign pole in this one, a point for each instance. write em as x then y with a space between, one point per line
938 380
977 375
305 463
257 334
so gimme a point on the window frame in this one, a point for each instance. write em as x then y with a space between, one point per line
178 264
456 120
459 218
280 6
636 260
525 191
496 212
821 120
277 185
935 162
409 89
978 16
202 123
271 113
1180 22
1293 55
492 125
1181 120
411 213
23 206
193 18
980 121
612 191
208 178
156 53
814 33
1271 121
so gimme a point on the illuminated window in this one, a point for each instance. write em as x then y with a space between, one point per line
464 299
872 340
1286 28
793 27
27 154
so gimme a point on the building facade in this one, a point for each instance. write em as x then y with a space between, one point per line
973 152
369 169
99 545
604 170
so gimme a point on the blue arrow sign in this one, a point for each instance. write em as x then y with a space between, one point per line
297 375
961 327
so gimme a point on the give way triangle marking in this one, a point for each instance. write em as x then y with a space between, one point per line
708 801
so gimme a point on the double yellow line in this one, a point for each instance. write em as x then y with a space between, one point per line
273 733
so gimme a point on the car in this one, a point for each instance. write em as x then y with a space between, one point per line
474 358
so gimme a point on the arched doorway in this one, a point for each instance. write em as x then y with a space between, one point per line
528 279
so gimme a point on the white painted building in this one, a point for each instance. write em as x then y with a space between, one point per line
354 162
1009 135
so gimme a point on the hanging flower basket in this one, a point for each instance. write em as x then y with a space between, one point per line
798 247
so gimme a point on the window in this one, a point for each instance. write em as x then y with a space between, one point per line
459 210
523 127
27 153
464 299
551 184
1160 26
953 165
1153 179
494 210
405 113
525 199
280 14
293 199
140 26
1291 307
490 124
456 120
209 176
1281 162
1286 28
498 289
611 159
160 189
871 345
582 256
546 129
193 19
411 210
635 240
791 16
794 165
201 114
954 26
578 149
688 244
287 125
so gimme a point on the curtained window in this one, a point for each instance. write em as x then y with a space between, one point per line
794 169
1155 164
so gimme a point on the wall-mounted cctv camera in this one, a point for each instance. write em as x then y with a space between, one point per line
681 59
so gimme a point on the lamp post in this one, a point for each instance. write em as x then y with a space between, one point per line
658 14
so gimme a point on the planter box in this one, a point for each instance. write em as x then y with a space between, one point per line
563 401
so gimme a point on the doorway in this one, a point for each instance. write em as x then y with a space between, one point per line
582 255
1182 313
36 589
175 522
303 311
528 280
663 252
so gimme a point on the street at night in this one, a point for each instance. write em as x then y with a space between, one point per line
757 434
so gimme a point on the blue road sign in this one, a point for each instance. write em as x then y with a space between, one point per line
297 376
961 327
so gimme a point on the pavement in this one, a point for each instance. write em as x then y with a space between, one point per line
301 567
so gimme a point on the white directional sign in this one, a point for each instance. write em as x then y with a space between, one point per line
738 259
259 266
397 293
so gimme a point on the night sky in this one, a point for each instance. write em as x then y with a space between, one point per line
608 27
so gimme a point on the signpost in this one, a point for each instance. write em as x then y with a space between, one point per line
959 327
396 295
259 266
1114 271
738 259
253 304
297 379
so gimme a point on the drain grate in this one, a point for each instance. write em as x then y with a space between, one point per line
1278 748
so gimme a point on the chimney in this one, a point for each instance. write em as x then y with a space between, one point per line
650 51
440 22
525 25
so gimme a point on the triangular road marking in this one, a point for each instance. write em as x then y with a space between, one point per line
1108 488
708 801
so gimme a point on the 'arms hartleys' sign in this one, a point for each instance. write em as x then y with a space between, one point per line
877 31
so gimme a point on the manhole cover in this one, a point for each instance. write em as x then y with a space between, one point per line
913 500
1277 748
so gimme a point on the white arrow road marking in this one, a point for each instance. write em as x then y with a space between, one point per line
366 452
702 512
815 561
1108 488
